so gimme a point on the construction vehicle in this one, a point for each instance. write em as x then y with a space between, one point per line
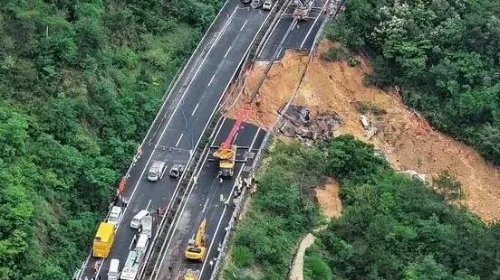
302 9
226 161
191 275
196 249
132 265
227 152
103 240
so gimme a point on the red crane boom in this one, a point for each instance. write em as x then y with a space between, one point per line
242 114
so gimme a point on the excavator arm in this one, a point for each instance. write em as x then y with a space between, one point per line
199 242
196 251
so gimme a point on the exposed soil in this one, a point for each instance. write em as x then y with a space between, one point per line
275 91
329 200
296 273
407 141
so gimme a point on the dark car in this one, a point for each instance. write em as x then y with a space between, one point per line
246 1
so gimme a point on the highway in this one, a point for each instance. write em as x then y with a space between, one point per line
301 37
183 118
204 202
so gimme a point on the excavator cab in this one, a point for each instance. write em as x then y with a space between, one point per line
196 249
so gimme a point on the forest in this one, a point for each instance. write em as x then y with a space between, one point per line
443 55
392 226
80 83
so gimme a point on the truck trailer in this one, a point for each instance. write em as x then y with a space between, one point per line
103 240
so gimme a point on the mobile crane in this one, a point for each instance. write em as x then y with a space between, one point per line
196 249
227 151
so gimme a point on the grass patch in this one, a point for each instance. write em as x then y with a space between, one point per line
367 107
339 53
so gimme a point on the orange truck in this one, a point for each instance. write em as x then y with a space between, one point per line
103 240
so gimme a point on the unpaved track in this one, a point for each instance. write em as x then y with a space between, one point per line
298 262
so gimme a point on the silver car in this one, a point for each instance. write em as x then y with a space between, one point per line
268 4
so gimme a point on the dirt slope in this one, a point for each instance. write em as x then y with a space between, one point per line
407 141
329 200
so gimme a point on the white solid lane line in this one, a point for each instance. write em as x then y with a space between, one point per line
211 80
179 140
195 108
227 51
244 24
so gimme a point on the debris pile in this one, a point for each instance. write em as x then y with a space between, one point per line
298 122
370 129
413 174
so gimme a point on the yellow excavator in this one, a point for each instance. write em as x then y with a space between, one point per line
196 249
191 275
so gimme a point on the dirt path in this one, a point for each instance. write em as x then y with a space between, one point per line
298 263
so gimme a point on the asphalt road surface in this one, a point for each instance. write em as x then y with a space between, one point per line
204 202
301 37
183 119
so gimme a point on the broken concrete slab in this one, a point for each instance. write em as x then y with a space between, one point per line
413 174
364 121
299 122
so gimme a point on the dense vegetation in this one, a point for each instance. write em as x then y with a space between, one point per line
443 54
281 211
392 227
80 82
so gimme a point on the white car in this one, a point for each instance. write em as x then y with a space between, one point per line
115 216
267 5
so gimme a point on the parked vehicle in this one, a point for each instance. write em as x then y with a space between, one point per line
113 272
256 4
136 220
176 170
115 216
103 240
156 170
246 1
268 4
147 226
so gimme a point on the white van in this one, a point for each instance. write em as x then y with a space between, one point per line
136 220
156 170
113 272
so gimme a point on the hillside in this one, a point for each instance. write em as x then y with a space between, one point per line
407 141
80 83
